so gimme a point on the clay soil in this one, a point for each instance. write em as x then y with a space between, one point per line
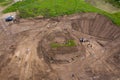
26 52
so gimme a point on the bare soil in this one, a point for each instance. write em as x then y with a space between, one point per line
26 54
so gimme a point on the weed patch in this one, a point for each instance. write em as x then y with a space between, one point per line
69 43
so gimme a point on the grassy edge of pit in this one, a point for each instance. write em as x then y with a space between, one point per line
68 43
54 8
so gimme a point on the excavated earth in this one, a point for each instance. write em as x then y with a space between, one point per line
26 52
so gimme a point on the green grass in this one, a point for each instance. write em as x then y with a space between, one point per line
69 43
52 8
117 14
5 2
2 1
115 3
104 5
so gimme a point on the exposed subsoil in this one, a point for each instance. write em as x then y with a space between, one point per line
26 53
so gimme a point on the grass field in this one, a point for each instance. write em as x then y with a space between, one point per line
5 2
2 1
115 3
104 5
52 8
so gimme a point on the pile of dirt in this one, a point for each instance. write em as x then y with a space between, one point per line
26 52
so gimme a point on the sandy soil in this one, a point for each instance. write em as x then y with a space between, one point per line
26 54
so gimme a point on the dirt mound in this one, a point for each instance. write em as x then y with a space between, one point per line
26 50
